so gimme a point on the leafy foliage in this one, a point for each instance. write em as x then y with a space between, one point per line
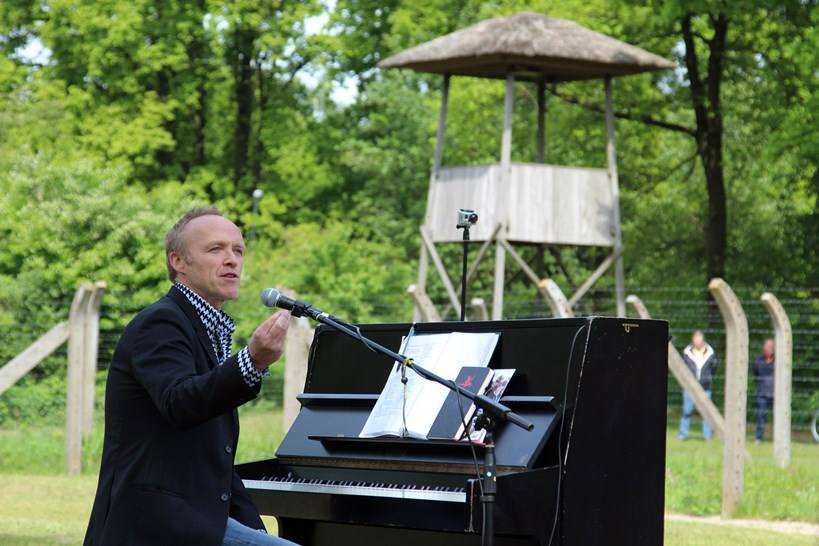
137 110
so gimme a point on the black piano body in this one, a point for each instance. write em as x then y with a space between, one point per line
595 389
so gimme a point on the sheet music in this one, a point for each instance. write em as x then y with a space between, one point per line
442 354
386 417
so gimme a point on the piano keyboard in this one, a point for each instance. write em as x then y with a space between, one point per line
360 489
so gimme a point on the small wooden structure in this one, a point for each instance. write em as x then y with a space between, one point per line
525 203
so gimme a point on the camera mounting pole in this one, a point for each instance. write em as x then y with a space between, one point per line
466 219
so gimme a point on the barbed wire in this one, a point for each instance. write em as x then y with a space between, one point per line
686 309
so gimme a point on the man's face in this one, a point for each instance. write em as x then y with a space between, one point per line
211 263
768 348
698 341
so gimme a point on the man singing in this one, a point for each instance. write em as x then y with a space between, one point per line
171 425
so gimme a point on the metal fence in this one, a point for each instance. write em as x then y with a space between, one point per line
22 321
688 309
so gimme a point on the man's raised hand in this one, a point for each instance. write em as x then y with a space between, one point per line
267 342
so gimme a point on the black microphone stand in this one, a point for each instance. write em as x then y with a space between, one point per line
489 478
463 272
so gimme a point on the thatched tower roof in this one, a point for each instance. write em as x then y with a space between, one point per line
533 46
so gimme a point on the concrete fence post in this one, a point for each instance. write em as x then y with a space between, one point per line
480 308
424 308
783 366
555 298
736 393
296 355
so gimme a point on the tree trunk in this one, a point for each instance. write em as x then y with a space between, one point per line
166 157
258 148
811 230
199 55
164 83
705 97
243 75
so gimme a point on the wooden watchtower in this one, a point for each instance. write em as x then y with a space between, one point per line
526 203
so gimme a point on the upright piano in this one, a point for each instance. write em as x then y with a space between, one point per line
591 472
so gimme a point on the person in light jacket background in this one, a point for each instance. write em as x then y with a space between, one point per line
764 374
701 361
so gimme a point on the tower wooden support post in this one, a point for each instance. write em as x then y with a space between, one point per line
783 365
611 161
736 392
437 160
541 121
506 165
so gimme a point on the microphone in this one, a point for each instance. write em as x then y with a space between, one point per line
273 298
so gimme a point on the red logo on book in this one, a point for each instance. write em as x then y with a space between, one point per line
467 382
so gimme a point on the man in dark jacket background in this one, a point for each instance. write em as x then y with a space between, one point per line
701 360
764 374
171 426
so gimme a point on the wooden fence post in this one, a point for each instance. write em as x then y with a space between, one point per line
296 354
736 392
783 365
91 348
74 378
31 356
685 378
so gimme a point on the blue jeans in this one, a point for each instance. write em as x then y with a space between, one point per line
687 412
237 534
763 406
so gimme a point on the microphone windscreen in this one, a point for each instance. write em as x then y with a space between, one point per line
270 297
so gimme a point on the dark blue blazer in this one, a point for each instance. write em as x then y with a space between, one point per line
171 429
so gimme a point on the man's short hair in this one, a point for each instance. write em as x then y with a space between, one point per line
175 238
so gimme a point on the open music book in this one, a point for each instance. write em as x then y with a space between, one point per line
442 354
458 409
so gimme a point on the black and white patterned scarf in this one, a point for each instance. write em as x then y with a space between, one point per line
218 324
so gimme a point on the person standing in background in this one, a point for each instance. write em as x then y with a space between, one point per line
701 361
764 375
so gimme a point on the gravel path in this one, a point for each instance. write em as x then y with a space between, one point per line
792 527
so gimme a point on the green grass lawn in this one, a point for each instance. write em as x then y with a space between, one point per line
693 481
40 506
701 534
38 510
